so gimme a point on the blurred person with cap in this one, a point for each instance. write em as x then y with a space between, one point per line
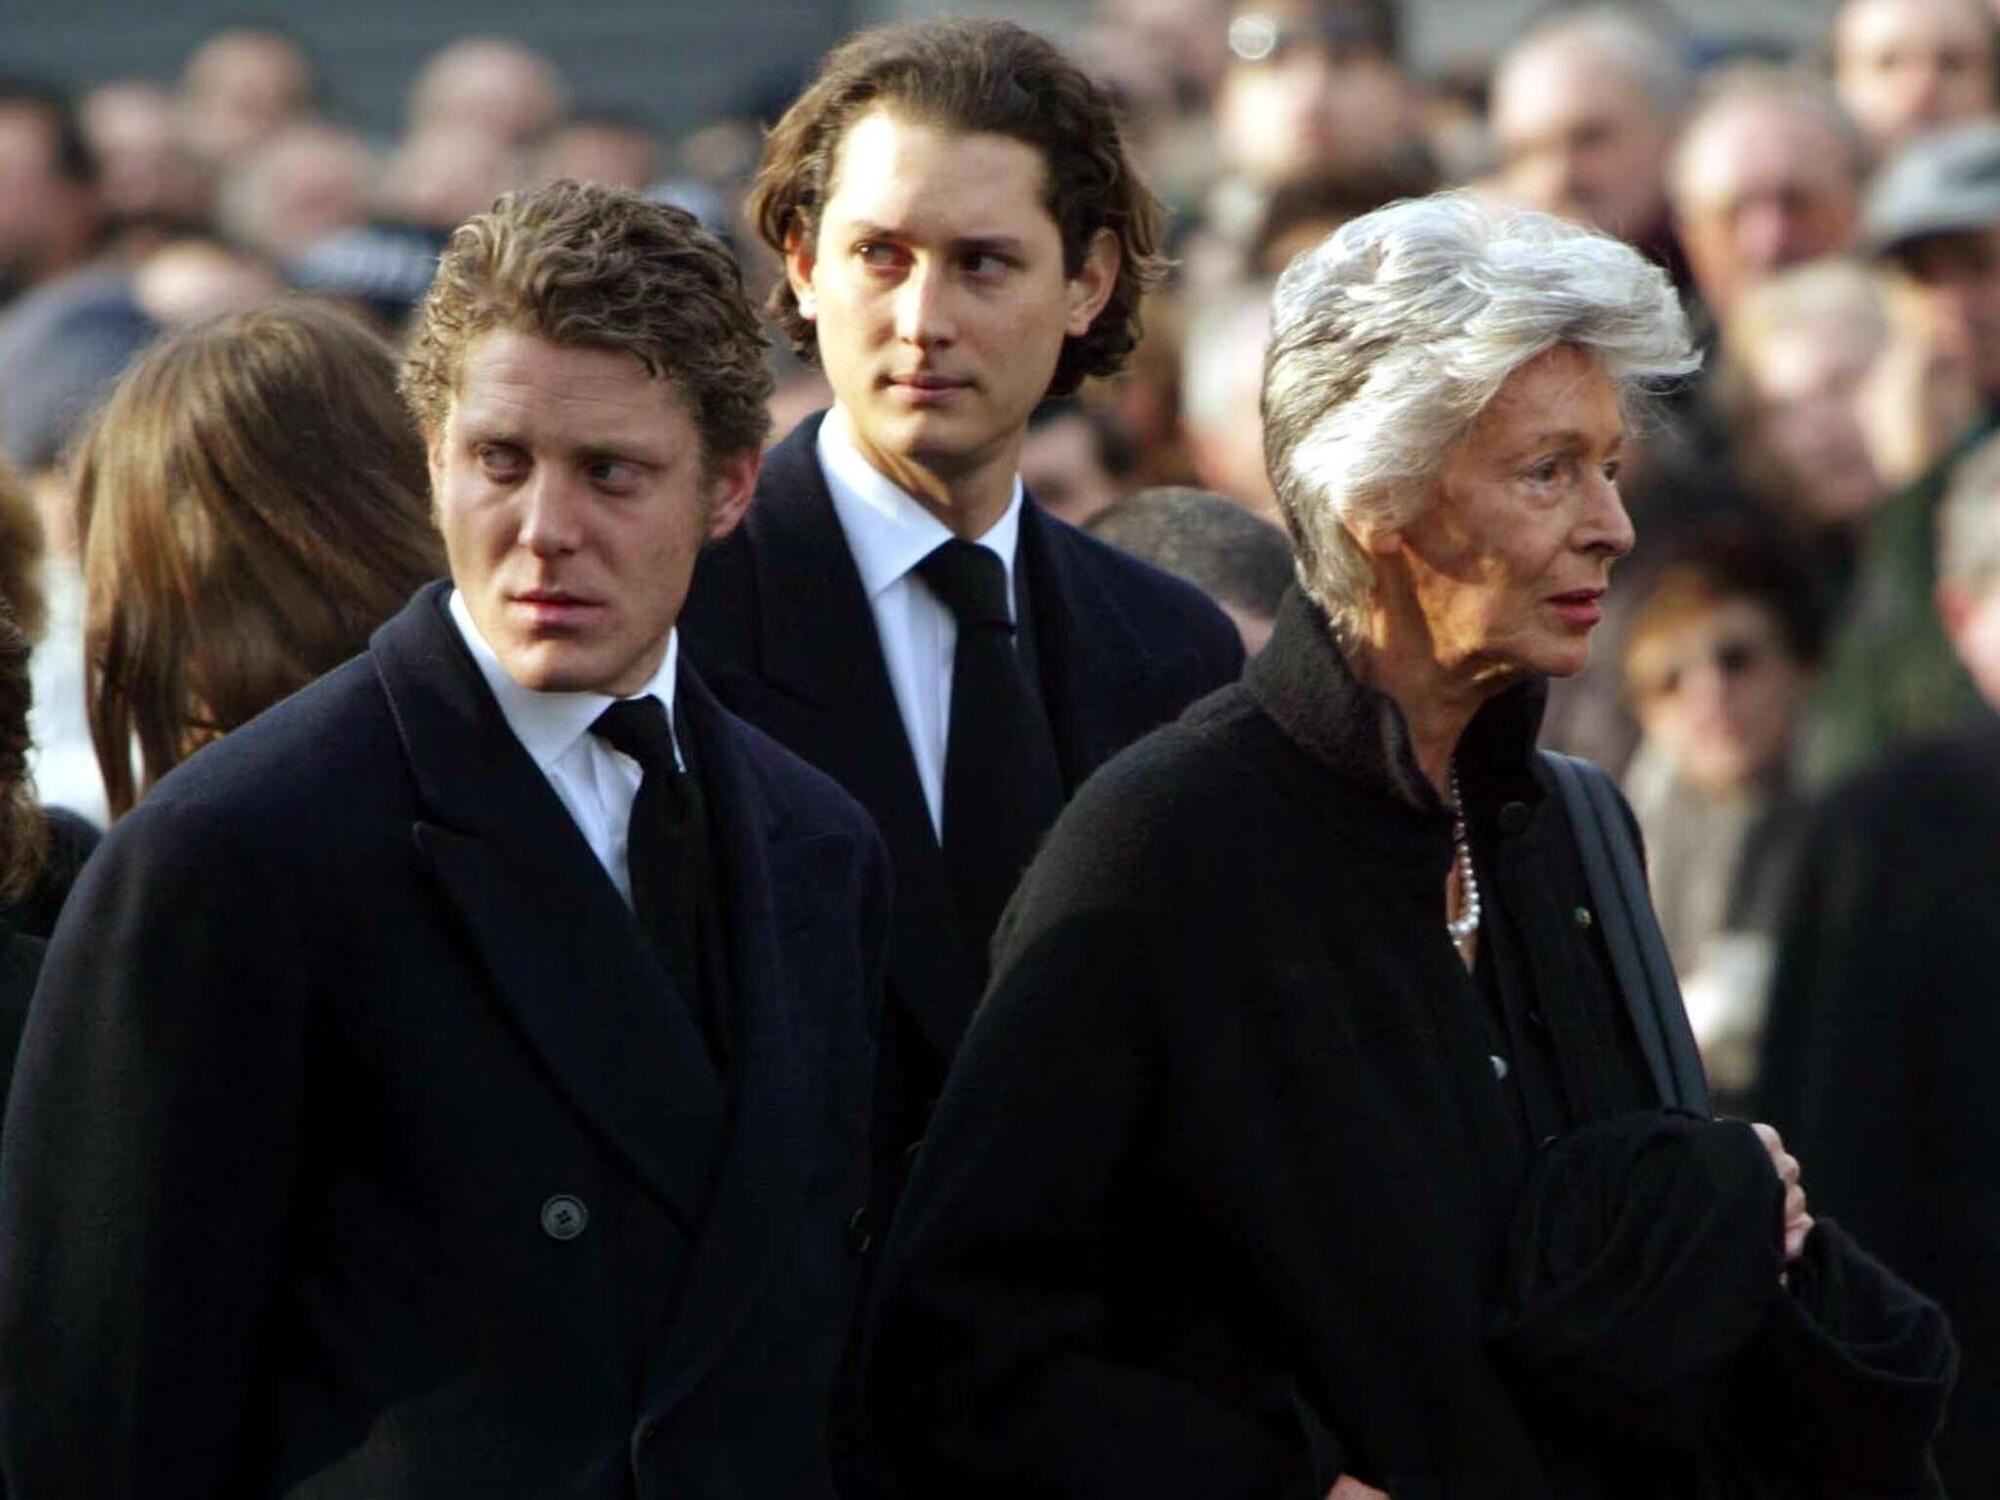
1584 108
1766 174
1878 1057
1932 221
1905 67
1932 218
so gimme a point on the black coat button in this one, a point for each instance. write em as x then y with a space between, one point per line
563 1217
1514 817
859 1239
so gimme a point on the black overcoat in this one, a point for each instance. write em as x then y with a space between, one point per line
1214 1201
781 628
359 1147
1883 1038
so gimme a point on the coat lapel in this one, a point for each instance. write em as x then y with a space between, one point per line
1097 669
826 695
560 946
775 886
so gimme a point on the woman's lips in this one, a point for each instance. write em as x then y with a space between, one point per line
1580 607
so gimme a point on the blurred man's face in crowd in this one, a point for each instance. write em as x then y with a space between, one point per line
1762 184
1304 97
46 221
1063 468
1577 135
1954 280
572 494
1808 383
937 287
489 86
613 153
1906 66
240 88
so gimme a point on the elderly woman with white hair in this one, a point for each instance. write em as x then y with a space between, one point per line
1306 1143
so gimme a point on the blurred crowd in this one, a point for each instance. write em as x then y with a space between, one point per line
1793 616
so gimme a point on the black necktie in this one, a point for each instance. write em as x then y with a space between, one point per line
666 852
1002 784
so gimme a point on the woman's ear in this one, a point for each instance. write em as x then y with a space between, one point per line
1374 538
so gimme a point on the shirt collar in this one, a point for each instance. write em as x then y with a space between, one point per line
548 725
887 531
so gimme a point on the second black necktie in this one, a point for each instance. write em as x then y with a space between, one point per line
1002 782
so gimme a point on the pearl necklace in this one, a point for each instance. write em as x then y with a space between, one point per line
1465 926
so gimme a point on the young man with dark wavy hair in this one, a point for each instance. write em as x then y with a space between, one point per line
454 1082
964 236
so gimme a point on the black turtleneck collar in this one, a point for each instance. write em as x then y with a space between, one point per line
1302 680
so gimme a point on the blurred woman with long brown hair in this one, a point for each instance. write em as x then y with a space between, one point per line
256 502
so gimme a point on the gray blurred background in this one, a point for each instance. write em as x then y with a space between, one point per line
676 63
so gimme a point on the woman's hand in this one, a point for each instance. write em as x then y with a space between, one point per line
1347 1487
1798 1223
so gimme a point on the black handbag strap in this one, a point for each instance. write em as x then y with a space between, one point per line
1645 974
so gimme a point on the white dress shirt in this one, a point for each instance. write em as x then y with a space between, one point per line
888 534
596 783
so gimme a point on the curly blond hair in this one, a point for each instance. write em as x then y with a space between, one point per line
580 264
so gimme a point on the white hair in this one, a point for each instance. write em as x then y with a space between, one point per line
1391 336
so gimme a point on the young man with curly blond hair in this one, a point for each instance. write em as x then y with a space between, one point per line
453 1082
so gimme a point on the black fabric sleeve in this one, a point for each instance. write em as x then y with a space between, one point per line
994 1372
150 1152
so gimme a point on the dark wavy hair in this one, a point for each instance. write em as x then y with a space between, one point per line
985 78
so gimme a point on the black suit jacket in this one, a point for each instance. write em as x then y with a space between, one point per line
361 1148
781 626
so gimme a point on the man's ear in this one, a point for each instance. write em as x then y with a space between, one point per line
730 489
1093 283
434 461
801 259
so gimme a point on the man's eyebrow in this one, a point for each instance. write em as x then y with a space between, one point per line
627 453
994 244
